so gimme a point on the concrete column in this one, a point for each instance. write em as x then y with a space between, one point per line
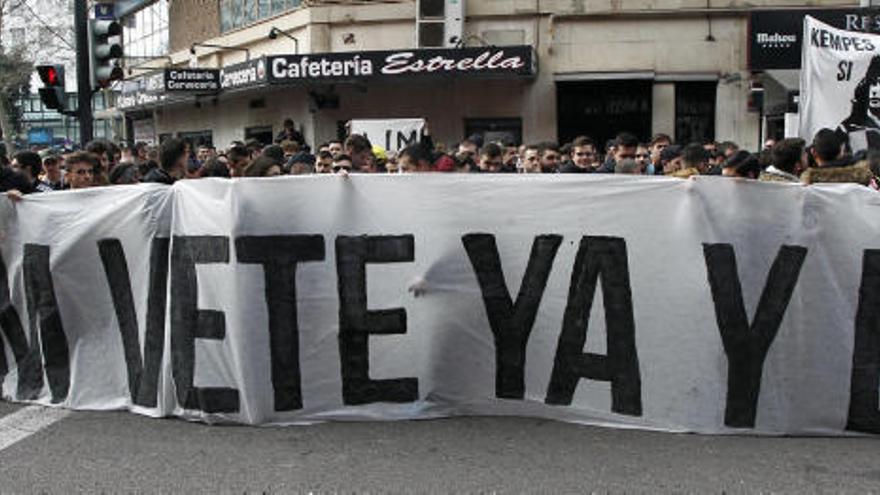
663 109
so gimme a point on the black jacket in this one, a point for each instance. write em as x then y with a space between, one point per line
571 168
292 135
10 179
158 175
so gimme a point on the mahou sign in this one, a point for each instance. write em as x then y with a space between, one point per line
516 61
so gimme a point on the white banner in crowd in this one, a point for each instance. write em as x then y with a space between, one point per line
840 84
708 305
391 134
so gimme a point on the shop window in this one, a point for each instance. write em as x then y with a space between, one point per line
695 111
262 134
602 109
501 130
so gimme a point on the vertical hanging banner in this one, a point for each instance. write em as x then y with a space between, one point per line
840 84
707 305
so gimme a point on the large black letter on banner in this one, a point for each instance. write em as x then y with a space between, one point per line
279 256
43 314
511 323
189 323
746 345
27 357
603 257
356 324
863 400
143 377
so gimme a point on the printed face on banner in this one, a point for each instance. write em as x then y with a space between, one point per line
840 85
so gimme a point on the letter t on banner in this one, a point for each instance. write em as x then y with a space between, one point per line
356 324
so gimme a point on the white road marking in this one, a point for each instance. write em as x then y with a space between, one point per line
26 421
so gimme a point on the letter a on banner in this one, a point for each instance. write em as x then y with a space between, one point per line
605 257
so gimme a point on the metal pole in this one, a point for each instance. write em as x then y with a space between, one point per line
83 83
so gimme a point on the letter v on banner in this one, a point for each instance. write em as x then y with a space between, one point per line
745 344
143 375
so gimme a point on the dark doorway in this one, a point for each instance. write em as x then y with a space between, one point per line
695 111
601 109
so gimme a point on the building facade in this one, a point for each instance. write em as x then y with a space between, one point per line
679 67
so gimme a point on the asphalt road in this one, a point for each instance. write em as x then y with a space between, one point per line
122 452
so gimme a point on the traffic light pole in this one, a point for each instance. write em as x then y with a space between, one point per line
83 82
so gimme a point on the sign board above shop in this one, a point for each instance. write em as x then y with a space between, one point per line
490 62
197 80
507 61
775 35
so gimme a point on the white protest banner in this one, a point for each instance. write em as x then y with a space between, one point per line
707 305
840 84
391 134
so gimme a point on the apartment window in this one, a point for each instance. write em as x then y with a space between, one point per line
237 13
146 32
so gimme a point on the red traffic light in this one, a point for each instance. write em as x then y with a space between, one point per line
51 75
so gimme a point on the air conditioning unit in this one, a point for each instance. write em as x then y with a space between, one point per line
439 23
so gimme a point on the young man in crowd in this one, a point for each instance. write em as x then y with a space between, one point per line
583 151
827 148
643 159
694 160
81 168
359 151
324 163
625 146
510 157
467 149
103 151
29 165
238 160
173 159
491 159
788 161
549 157
289 133
52 175
658 143
414 158
531 160
203 154
335 148
342 164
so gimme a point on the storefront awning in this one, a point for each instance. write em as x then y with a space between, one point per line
504 62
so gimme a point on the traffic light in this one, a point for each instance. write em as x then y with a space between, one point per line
52 94
106 47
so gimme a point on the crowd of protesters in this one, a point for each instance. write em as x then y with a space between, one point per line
103 163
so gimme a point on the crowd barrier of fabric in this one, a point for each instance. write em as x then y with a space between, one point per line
711 305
